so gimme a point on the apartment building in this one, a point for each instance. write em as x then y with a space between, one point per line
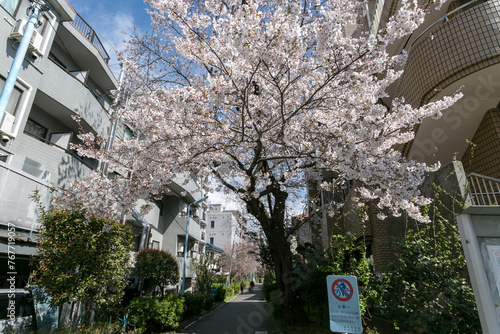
456 49
225 228
65 74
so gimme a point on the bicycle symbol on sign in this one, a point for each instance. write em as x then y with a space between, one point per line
342 290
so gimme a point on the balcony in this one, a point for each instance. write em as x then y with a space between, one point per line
90 35
16 206
190 270
459 52
63 95
86 49
63 165
460 43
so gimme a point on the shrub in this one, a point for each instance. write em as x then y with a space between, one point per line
82 258
156 314
268 287
194 303
221 292
220 279
274 305
157 265
208 302
425 290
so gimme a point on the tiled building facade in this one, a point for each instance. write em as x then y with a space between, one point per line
456 49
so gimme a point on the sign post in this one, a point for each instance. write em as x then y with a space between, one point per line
343 304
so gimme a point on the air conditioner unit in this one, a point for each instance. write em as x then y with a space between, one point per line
7 124
196 213
17 30
35 42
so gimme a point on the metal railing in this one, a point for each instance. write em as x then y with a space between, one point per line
484 190
90 35
445 17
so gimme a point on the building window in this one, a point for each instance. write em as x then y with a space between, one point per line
10 5
44 30
212 223
16 107
14 99
35 129
159 204
212 240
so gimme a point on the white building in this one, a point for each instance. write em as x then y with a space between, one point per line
224 229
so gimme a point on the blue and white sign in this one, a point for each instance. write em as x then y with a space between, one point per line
343 302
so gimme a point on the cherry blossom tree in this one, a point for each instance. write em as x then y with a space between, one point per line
240 260
256 93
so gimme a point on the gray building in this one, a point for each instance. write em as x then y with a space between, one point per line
64 74
169 219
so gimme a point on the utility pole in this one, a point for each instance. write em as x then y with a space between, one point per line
36 7
116 120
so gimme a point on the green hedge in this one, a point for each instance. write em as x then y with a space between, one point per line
268 287
156 314
195 303
221 292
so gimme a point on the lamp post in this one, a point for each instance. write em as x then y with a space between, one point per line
186 243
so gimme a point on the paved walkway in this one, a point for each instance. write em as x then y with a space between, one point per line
247 313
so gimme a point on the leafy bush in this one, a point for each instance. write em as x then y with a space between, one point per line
208 302
425 291
269 286
219 279
95 328
156 314
157 265
194 304
221 292
274 304
82 258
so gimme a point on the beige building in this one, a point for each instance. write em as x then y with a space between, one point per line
457 48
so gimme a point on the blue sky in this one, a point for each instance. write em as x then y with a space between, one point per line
110 18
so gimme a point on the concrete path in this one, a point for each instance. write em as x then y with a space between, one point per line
247 313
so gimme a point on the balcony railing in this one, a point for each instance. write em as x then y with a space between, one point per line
484 190
445 18
91 35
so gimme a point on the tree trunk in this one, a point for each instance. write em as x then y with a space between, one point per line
289 300
274 229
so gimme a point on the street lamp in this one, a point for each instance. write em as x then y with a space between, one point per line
186 243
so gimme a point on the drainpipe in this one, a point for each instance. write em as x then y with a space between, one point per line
36 7
186 243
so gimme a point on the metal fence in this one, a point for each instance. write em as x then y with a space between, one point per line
484 190
91 35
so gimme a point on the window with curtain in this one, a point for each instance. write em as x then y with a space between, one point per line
9 5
